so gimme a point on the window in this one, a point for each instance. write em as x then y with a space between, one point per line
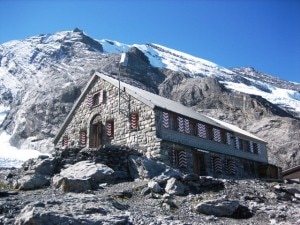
187 127
173 122
201 130
217 134
238 143
179 158
193 128
230 167
65 141
223 135
83 137
254 148
97 98
110 129
246 145
209 132
180 124
165 120
249 167
216 164
134 121
229 138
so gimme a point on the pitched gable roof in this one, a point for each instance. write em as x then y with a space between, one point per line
156 101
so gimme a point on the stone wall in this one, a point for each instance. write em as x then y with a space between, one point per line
116 157
143 138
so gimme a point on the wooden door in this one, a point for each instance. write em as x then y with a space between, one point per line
199 164
96 135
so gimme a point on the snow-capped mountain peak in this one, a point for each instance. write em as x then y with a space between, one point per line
42 76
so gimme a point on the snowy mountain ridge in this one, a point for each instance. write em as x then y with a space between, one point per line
282 93
42 76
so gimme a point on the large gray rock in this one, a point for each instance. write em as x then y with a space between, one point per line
36 173
33 215
166 175
46 166
36 214
174 187
83 176
144 168
71 184
224 208
32 182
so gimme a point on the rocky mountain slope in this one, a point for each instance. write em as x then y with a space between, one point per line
52 191
42 76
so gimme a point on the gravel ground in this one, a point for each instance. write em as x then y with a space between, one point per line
131 203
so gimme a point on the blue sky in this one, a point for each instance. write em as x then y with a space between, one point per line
264 34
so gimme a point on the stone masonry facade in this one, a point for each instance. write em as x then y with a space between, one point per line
142 138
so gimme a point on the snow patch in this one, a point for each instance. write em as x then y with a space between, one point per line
278 96
4 110
113 46
11 156
295 95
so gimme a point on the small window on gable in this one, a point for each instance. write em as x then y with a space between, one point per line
99 98
134 121
83 137
110 129
65 141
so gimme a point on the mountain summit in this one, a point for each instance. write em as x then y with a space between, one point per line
42 76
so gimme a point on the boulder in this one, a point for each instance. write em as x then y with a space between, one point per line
31 214
40 214
166 175
71 184
144 168
43 165
174 187
46 166
32 182
35 173
219 207
83 176
154 187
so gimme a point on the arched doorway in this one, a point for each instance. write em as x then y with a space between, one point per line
95 137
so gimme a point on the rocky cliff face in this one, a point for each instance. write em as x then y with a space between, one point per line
42 76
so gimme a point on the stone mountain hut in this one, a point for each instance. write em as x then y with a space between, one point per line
110 112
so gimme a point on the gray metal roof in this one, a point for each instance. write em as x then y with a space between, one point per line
154 100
